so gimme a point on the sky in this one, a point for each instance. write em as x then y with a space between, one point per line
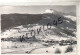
36 9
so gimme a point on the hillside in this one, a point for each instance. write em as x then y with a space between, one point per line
35 32
12 20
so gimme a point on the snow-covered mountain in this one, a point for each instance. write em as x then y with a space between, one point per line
66 29
49 31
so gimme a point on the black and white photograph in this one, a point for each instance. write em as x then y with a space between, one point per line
38 29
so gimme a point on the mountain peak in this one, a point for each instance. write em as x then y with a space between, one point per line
49 11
